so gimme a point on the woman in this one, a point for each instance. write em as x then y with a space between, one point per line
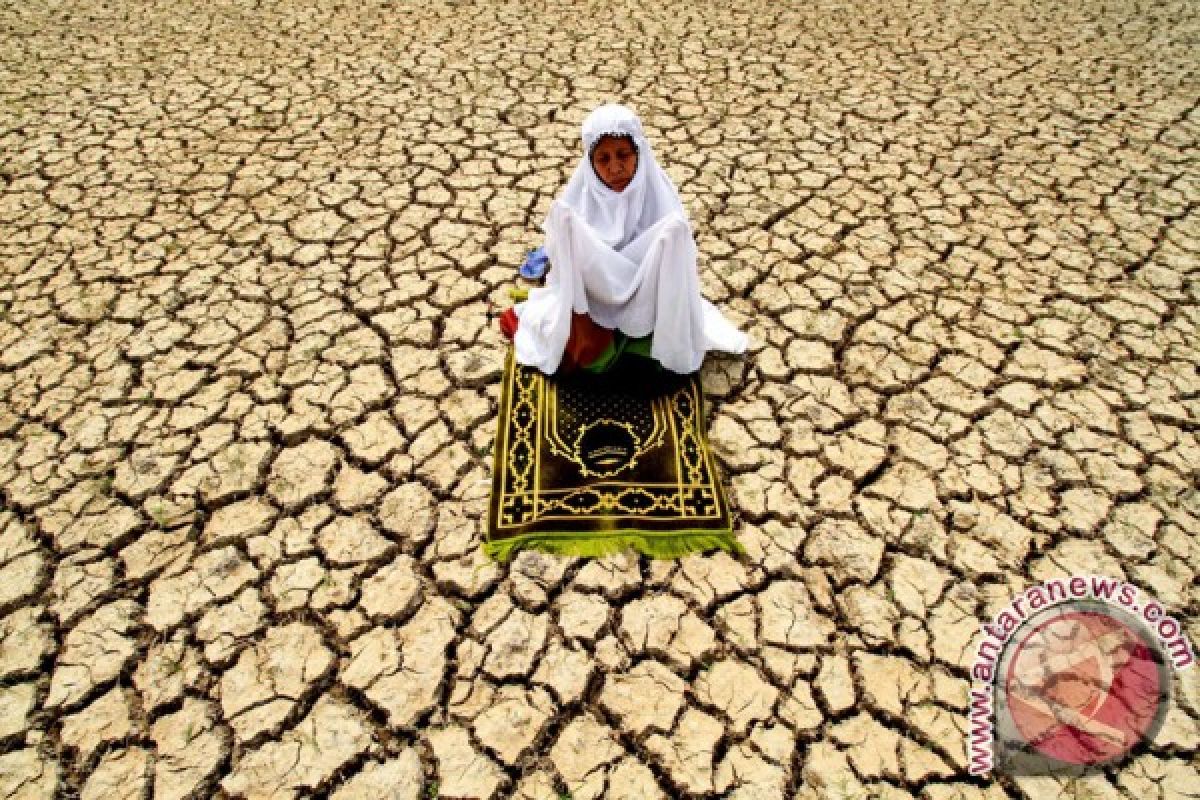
622 259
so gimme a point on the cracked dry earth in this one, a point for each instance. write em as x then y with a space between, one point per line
248 384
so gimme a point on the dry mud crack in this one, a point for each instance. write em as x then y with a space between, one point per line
251 259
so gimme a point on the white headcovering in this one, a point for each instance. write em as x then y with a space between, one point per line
618 217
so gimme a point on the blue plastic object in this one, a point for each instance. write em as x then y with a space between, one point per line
535 264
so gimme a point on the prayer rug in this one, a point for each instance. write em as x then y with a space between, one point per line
589 464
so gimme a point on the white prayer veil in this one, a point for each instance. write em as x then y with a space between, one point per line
618 217
627 259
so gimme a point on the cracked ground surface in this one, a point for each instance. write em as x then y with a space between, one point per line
248 383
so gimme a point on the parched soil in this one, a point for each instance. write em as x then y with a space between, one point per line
251 258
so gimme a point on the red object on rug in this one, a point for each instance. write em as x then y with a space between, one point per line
585 344
508 323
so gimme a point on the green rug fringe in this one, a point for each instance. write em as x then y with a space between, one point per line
597 545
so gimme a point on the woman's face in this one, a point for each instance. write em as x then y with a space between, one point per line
614 158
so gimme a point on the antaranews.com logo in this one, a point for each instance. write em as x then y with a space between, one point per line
1072 673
